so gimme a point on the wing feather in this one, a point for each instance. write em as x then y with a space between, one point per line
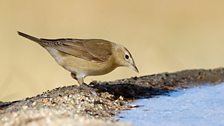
89 49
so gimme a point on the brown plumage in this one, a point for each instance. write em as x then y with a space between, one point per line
86 57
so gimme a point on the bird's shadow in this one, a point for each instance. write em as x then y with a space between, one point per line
130 91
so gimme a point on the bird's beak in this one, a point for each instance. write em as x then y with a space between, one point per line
133 67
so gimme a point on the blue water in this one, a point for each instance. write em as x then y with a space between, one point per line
200 106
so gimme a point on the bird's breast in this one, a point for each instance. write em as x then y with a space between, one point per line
88 68
81 66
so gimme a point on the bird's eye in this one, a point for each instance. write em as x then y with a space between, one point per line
126 56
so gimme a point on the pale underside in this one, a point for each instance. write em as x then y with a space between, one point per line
82 67
82 57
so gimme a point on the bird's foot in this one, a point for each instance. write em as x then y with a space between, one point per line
85 86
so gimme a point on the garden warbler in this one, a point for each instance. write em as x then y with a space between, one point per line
86 57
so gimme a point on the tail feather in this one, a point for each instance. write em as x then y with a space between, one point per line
29 37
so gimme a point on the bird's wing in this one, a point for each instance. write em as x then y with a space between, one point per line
89 49
99 48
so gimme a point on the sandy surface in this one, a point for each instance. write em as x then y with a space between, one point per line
100 101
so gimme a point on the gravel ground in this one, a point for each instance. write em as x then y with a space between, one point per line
97 103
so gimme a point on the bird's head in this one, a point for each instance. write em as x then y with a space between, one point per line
124 58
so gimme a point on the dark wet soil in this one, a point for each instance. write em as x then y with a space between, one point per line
100 100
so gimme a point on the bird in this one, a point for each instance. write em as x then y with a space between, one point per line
86 57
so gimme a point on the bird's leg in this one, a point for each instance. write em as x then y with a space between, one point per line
82 84
79 79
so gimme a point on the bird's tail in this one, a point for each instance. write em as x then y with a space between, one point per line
29 37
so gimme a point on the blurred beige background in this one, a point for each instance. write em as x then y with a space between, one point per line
163 36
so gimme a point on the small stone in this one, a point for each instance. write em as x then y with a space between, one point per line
121 98
66 97
45 100
25 107
34 103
